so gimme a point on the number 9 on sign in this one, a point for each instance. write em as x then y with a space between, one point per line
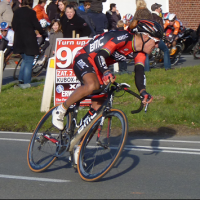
66 56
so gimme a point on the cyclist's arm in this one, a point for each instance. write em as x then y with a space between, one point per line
176 28
166 24
100 60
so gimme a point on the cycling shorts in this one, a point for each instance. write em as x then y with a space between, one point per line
84 64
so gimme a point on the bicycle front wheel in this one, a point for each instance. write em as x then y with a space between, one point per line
38 67
96 158
43 147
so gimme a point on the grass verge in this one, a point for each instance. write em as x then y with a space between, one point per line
175 107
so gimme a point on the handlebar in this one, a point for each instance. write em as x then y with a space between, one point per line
123 86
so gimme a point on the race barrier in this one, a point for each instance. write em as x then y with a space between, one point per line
1 68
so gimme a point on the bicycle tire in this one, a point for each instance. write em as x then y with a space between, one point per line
196 51
17 68
37 69
176 57
90 170
41 152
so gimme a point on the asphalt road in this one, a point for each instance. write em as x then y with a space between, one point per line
149 168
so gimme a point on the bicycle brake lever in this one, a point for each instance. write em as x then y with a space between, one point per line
145 110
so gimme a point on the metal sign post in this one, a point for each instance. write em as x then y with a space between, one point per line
1 68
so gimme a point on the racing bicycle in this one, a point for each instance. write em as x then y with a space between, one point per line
101 136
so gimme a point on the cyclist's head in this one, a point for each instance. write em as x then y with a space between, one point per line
152 28
166 16
43 23
128 17
4 28
172 17
150 32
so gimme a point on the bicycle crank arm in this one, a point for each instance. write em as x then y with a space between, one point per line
51 139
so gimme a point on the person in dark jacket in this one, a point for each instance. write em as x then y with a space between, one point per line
113 16
96 5
100 20
52 9
156 10
85 16
73 22
24 25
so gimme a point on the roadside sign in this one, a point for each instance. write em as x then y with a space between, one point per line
65 79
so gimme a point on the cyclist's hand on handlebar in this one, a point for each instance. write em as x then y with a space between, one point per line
147 97
108 77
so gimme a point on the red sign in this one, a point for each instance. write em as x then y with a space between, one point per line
66 81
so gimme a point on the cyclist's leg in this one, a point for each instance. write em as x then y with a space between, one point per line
90 82
86 74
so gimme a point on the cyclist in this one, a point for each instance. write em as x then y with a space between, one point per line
8 35
177 27
127 19
91 63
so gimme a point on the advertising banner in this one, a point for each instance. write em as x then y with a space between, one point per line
65 79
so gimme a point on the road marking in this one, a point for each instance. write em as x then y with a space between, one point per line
16 133
159 148
18 140
173 141
34 179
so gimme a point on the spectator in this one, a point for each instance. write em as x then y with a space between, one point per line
74 23
6 13
156 10
113 17
40 12
54 33
100 20
85 16
142 12
52 10
96 5
87 6
16 5
120 25
62 4
24 25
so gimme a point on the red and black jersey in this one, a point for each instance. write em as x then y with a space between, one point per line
119 45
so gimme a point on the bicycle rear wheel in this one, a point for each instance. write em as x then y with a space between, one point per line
42 151
196 51
38 67
15 74
95 160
